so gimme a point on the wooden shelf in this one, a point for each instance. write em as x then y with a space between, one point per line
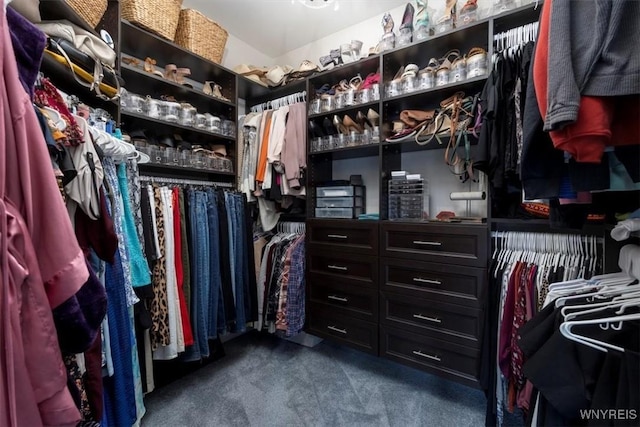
463 85
139 43
412 145
173 126
368 150
150 84
55 10
185 169
350 108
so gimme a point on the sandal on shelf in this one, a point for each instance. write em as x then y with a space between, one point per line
431 67
150 67
134 62
355 82
476 51
180 74
213 89
449 12
411 70
469 6
170 72
447 61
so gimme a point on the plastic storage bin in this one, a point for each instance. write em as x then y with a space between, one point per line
343 191
346 213
339 202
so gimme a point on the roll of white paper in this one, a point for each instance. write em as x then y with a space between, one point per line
468 195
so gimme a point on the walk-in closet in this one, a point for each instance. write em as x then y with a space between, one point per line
320 213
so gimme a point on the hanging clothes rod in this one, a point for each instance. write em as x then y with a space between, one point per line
291 227
530 234
182 181
274 104
516 36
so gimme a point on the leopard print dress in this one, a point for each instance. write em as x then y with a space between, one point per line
159 304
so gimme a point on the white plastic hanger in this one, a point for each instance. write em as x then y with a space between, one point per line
565 329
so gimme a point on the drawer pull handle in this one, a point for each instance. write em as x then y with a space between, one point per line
421 242
337 298
333 328
337 267
336 236
426 356
430 319
430 281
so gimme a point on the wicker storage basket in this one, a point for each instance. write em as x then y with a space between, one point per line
201 35
90 10
158 16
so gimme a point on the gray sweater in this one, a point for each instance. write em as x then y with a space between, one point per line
594 50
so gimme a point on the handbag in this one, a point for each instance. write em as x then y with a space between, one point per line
413 118
83 51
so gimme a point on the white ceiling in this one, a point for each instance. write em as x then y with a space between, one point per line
278 26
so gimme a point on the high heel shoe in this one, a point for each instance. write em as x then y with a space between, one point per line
349 124
326 61
329 128
340 126
336 56
373 117
212 89
449 13
363 121
316 131
407 18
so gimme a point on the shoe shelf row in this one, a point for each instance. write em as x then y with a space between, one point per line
384 157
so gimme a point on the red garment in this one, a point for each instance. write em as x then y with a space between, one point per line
601 121
177 237
41 264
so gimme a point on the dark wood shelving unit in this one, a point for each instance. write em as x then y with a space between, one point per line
139 43
351 108
141 118
347 152
463 85
183 169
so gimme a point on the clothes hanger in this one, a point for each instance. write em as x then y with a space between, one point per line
565 329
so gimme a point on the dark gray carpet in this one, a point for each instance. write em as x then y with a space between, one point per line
266 381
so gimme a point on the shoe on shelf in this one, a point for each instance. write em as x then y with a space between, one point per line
328 126
363 121
407 18
316 131
373 117
336 56
340 125
356 47
350 124
447 61
370 80
213 89
180 74
327 61
356 82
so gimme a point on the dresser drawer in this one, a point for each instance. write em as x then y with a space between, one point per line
452 361
438 282
343 297
361 270
449 322
358 237
358 333
451 244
